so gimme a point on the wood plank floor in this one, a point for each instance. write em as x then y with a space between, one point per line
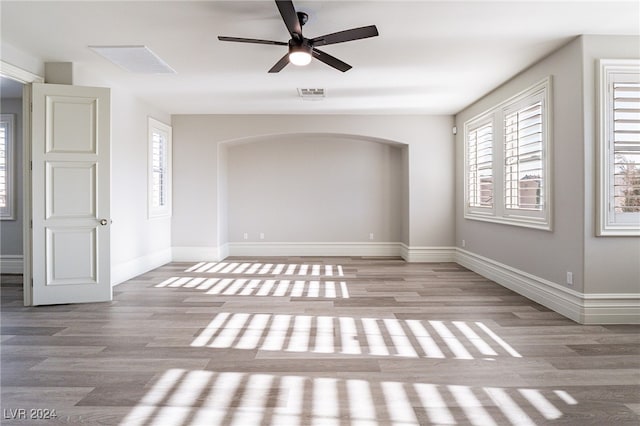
323 341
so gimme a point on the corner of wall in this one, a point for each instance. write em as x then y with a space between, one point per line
124 271
579 307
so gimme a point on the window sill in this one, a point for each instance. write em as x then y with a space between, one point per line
619 232
521 222
159 215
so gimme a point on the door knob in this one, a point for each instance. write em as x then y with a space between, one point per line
103 222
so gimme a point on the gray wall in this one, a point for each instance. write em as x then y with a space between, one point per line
11 230
301 188
544 254
425 182
599 264
612 264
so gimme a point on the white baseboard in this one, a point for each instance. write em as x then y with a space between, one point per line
259 249
314 249
427 254
122 272
582 308
603 308
11 264
199 254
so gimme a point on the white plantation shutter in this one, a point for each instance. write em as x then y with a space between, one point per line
507 161
480 166
619 148
523 158
3 165
159 169
6 166
625 172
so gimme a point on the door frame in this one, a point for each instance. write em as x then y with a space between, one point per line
26 78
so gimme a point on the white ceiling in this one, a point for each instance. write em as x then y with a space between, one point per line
432 57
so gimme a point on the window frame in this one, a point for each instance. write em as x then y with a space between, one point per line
537 219
606 220
158 127
8 212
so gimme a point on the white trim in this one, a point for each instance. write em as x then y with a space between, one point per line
314 249
259 249
11 264
125 271
199 254
427 254
19 74
582 308
223 251
604 308
606 224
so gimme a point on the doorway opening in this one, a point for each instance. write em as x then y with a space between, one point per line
11 181
16 84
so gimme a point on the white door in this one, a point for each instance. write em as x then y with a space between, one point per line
71 168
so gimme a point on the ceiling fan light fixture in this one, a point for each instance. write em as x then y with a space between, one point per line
300 55
301 49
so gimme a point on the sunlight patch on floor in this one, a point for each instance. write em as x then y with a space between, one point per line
199 397
355 336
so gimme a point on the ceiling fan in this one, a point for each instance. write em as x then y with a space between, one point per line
302 49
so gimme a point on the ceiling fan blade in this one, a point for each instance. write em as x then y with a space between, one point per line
280 64
252 40
290 18
330 60
346 35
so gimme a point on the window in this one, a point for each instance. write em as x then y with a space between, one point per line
6 167
159 169
619 148
507 161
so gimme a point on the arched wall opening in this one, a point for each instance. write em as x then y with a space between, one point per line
200 224
317 188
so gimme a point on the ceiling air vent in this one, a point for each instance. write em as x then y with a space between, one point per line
312 94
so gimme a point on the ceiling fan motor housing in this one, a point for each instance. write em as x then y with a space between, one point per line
303 45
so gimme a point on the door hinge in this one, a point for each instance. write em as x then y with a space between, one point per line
31 282
30 165
31 224
30 106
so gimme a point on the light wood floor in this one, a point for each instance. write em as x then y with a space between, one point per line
313 341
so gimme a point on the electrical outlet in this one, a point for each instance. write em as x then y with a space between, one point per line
464 243
371 235
569 278
246 236
262 235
